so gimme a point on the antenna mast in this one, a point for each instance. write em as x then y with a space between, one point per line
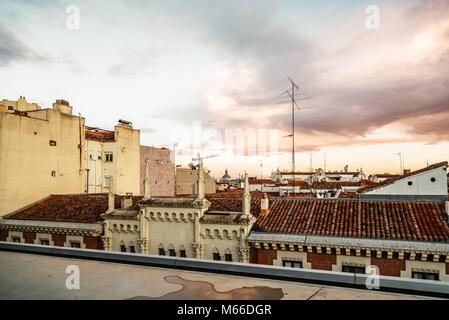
292 95
293 124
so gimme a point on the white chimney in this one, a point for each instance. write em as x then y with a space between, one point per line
264 205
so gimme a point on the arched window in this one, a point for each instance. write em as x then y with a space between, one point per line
171 251
161 250
228 255
132 248
216 254
182 252
122 246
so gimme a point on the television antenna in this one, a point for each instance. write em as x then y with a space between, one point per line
290 93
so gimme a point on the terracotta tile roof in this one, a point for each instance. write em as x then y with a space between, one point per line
299 183
238 193
234 205
423 221
348 195
354 173
101 135
394 179
261 181
386 175
82 208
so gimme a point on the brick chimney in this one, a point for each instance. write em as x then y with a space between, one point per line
264 205
406 171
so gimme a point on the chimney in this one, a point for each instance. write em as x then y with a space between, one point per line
406 171
127 201
264 205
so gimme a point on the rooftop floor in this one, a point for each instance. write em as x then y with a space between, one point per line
31 276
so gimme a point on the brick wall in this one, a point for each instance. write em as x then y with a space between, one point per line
263 256
58 239
162 171
252 255
93 242
3 235
29 237
389 267
322 261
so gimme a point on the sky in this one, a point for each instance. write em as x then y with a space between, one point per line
206 74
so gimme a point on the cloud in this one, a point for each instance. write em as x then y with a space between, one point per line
12 49
134 61
393 75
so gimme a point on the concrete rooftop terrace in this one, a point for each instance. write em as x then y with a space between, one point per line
33 276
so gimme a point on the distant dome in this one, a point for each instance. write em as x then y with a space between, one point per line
226 175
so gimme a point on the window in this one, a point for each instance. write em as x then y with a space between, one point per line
45 242
353 269
122 248
291 264
425 275
409 183
53 173
52 143
132 249
99 155
228 257
98 180
172 252
16 239
432 179
75 244
91 155
107 181
10 108
182 253
108 156
161 252
217 256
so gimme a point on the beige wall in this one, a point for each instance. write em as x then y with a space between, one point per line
20 105
27 160
186 182
125 167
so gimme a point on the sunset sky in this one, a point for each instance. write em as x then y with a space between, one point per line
176 68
